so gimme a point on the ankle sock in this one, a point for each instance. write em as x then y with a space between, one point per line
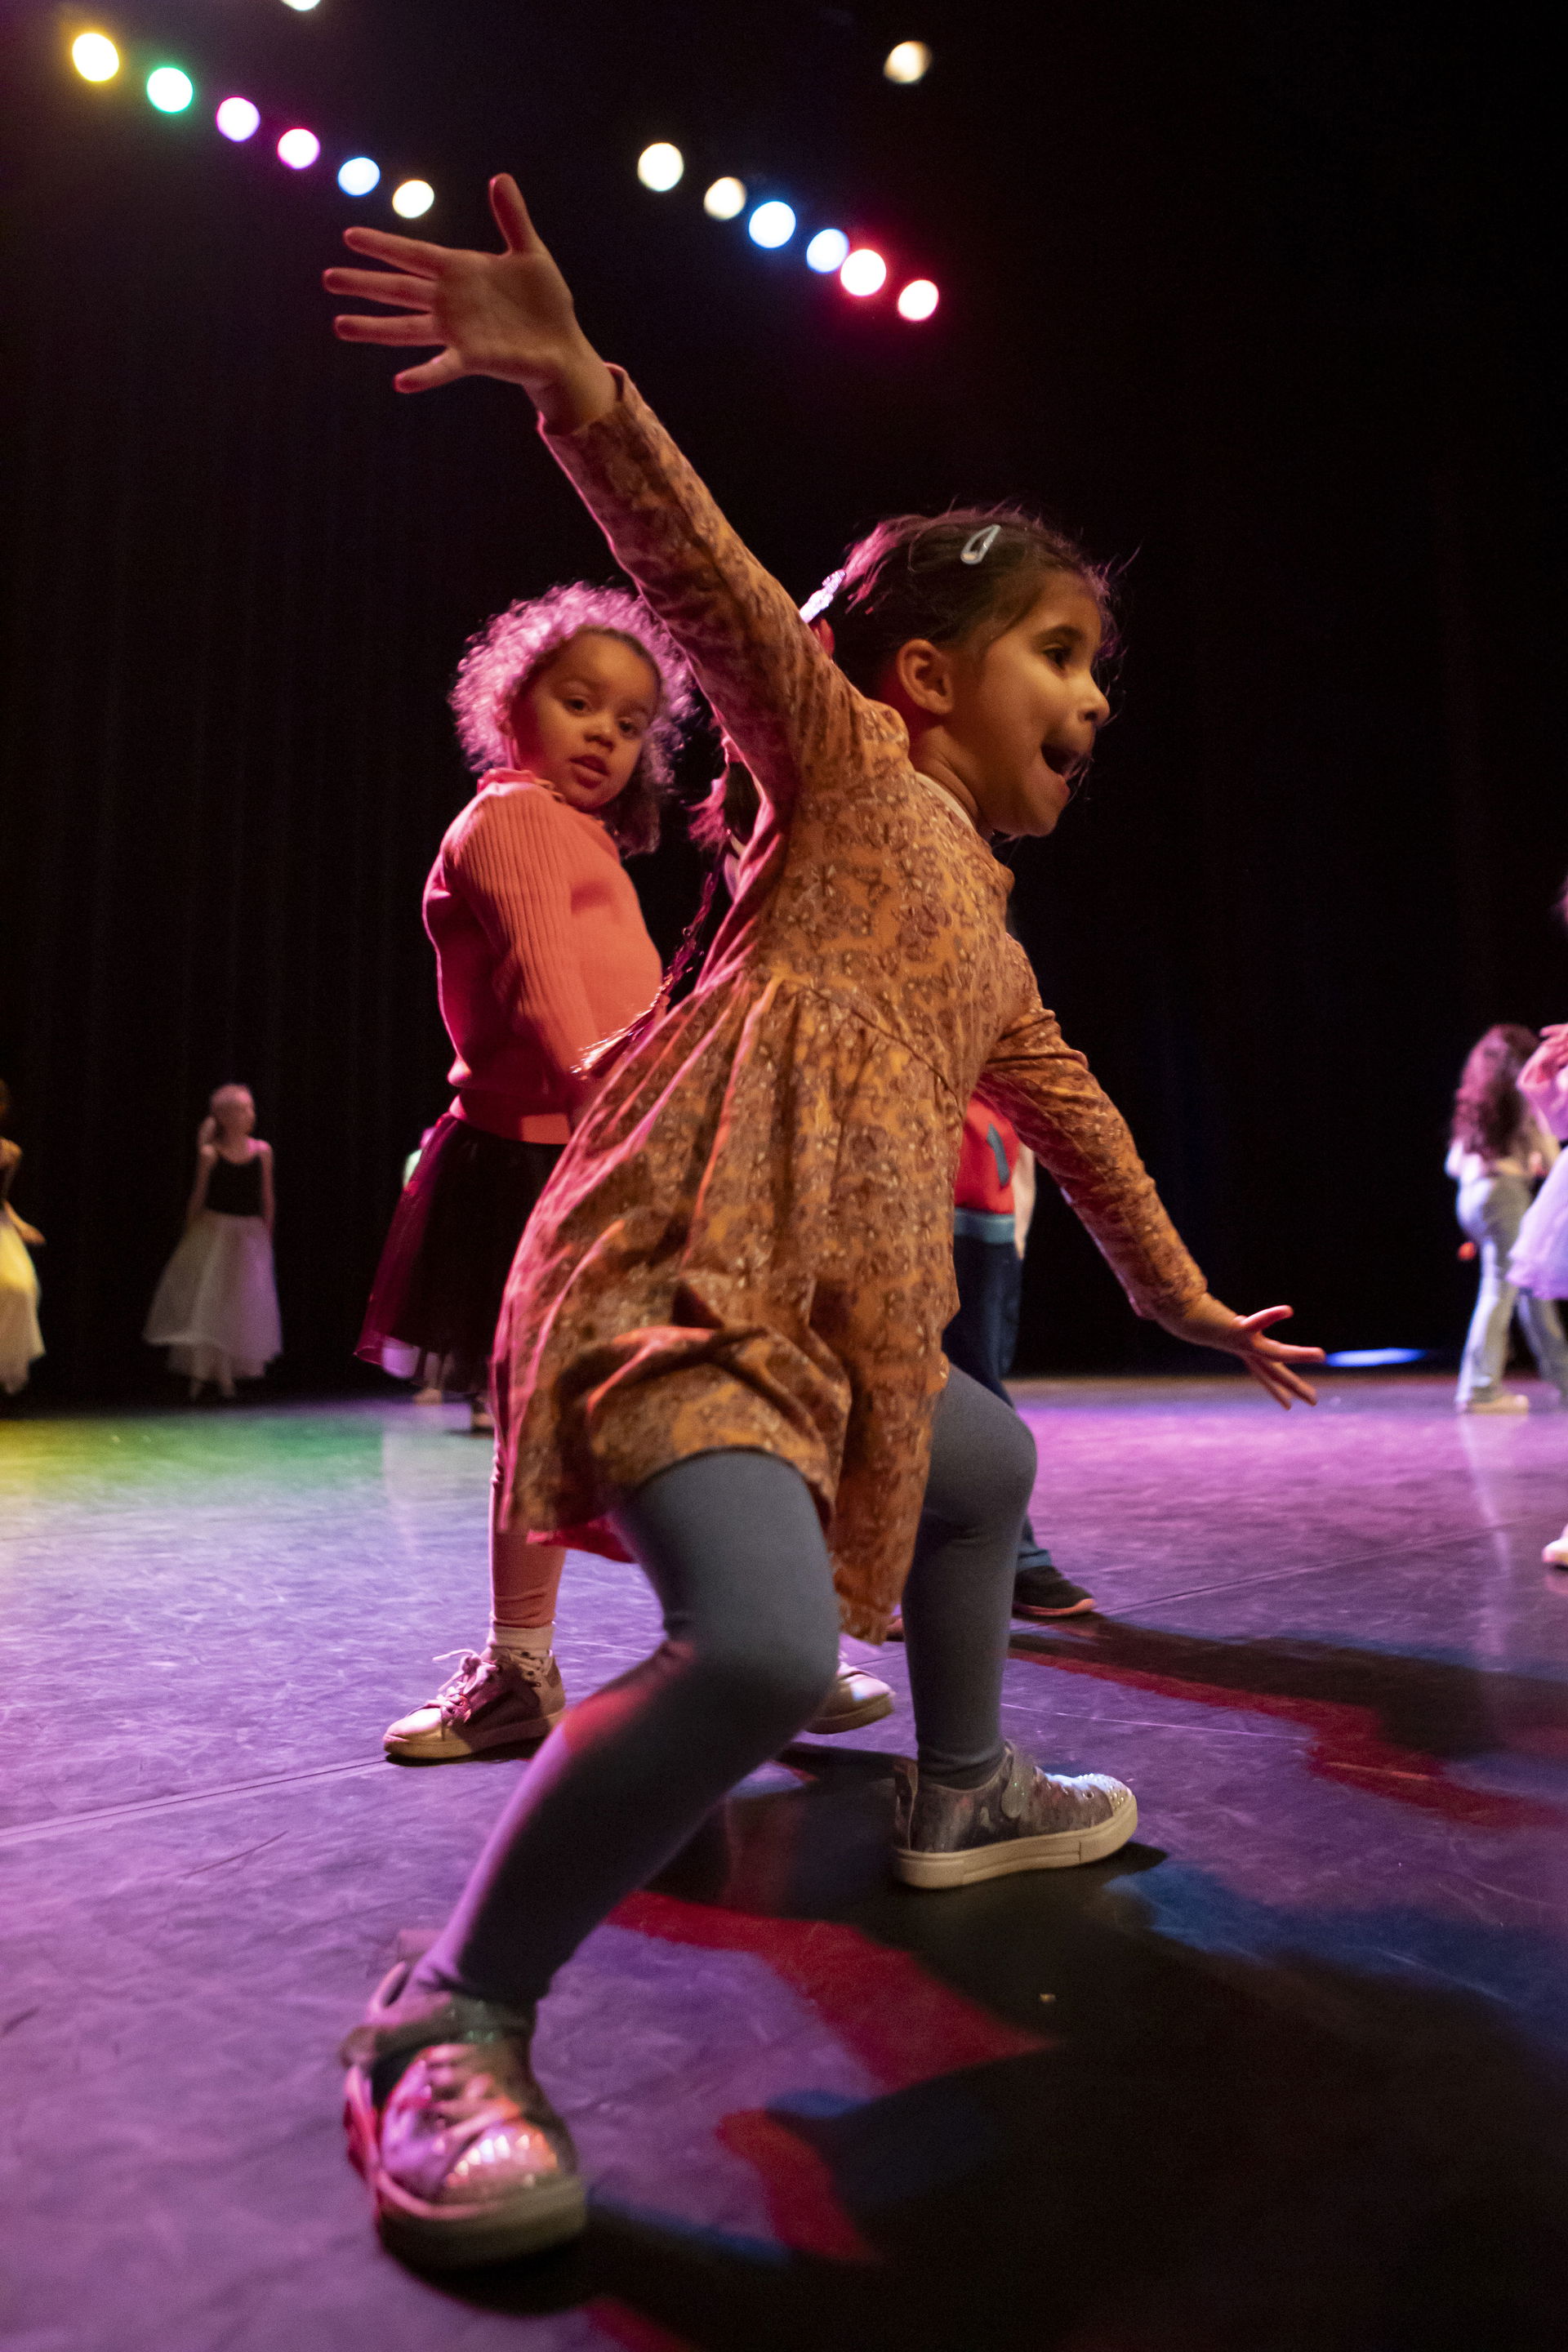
522 1641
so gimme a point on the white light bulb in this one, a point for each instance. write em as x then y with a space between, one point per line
95 56
413 198
909 61
772 224
828 251
724 199
661 166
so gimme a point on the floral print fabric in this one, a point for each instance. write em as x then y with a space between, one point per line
748 1240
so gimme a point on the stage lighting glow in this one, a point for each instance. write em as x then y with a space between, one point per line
169 91
918 299
414 197
95 56
772 224
301 5
724 199
299 150
237 118
828 251
359 175
909 62
661 167
865 272
1366 1360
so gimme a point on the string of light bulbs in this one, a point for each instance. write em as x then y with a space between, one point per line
861 271
171 89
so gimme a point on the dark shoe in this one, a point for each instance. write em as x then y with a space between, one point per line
855 1698
1045 1591
1021 1819
510 1701
467 2159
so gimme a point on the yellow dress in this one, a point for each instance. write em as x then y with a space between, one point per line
748 1240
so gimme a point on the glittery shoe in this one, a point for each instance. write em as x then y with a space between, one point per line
855 1698
466 2159
510 1701
1021 1819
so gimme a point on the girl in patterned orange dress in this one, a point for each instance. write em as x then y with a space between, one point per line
720 1352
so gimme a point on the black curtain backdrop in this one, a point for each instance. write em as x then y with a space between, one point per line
1256 299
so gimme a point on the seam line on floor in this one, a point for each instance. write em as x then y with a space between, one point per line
24 1833
1325 1567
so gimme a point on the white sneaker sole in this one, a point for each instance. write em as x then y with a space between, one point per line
871 1710
451 1748
1054 1850
436 2239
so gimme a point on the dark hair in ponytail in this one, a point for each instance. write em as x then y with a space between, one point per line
971 574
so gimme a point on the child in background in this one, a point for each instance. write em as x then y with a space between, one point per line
21 1341
1498 1149
1539 1261
215 1307
994 1203
720 1351
568 706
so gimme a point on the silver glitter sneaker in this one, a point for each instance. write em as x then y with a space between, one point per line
467 2160
855 1698
510 1701
1021 1819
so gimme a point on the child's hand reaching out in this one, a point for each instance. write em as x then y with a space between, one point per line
1207 1324
504 314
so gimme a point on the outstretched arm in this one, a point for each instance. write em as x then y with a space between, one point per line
1061 1110
791 712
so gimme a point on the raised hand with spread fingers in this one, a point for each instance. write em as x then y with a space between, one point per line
507 314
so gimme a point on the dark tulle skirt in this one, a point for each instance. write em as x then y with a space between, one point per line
454 1233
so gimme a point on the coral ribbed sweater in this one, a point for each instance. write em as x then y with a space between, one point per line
541 950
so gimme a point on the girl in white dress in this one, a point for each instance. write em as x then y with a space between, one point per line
215 1307
1539 1260
21 1341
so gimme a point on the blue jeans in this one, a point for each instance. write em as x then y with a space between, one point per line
1491 1212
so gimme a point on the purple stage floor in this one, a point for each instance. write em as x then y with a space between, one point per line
1290 2071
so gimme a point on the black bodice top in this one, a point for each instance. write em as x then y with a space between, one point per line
233 1188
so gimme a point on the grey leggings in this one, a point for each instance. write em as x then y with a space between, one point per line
732 1545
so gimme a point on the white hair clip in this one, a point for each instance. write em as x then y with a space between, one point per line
817 603
979 545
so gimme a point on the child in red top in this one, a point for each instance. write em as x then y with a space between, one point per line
993 1201
568 705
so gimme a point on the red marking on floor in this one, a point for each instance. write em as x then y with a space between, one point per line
803 2204
903 2025
1348 1745
631 2328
